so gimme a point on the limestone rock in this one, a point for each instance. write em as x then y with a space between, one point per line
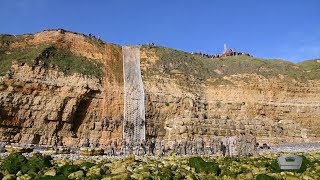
50 172
94 171
9 177
43 105
24 177
76 175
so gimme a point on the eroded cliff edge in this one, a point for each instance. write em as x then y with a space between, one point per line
61 85
196 96
65 85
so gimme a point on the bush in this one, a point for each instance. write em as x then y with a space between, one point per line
93 178
36 163
67 169
202 166
13 163
86 165
165 174
61 177
274 166
305 164
264 177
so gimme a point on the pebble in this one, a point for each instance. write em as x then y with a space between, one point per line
290 147
293 147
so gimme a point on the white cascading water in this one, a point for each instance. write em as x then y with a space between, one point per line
134 129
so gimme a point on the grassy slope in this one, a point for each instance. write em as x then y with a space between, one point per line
172 62
312 68
61 58
201 68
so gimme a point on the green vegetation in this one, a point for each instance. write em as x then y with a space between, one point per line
199 69
202 166
70 63
20 55
46 177
312 68
47 55
67 169
168 167
36 163
7 39
13 163
188 69
264 177
86 165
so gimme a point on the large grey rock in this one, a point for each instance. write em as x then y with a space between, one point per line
94 171
76 175
50 172
24 177
9 177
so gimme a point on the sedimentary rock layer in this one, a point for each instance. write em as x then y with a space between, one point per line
187 96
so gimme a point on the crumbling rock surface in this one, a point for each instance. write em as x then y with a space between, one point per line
276 110
42 105
46 106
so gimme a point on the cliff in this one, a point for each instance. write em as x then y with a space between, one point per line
57 85
60 86
195 96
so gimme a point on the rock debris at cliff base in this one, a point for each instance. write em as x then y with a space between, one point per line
187 96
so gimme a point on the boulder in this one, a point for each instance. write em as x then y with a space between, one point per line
94 171
76 175
24 177
50 172
9 177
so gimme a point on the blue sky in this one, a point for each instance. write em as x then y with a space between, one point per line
286 29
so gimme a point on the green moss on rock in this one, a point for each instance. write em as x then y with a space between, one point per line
264 177
202 166
36 163
13 163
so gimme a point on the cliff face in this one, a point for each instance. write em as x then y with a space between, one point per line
61 86
274 115
224 100
39 103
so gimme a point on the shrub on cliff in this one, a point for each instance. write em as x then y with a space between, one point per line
61 177
86 165
67 169
36 163
93 177
202 166
165 174
13 163
264 177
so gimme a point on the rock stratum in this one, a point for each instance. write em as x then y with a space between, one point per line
62 85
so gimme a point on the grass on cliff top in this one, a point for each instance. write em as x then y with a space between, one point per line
70 63
312 68
20 55
175 62
63 59
6 39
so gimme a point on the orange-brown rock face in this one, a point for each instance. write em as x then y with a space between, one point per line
186 96
41 105
275 109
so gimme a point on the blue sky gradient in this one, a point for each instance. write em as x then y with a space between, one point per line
286 29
